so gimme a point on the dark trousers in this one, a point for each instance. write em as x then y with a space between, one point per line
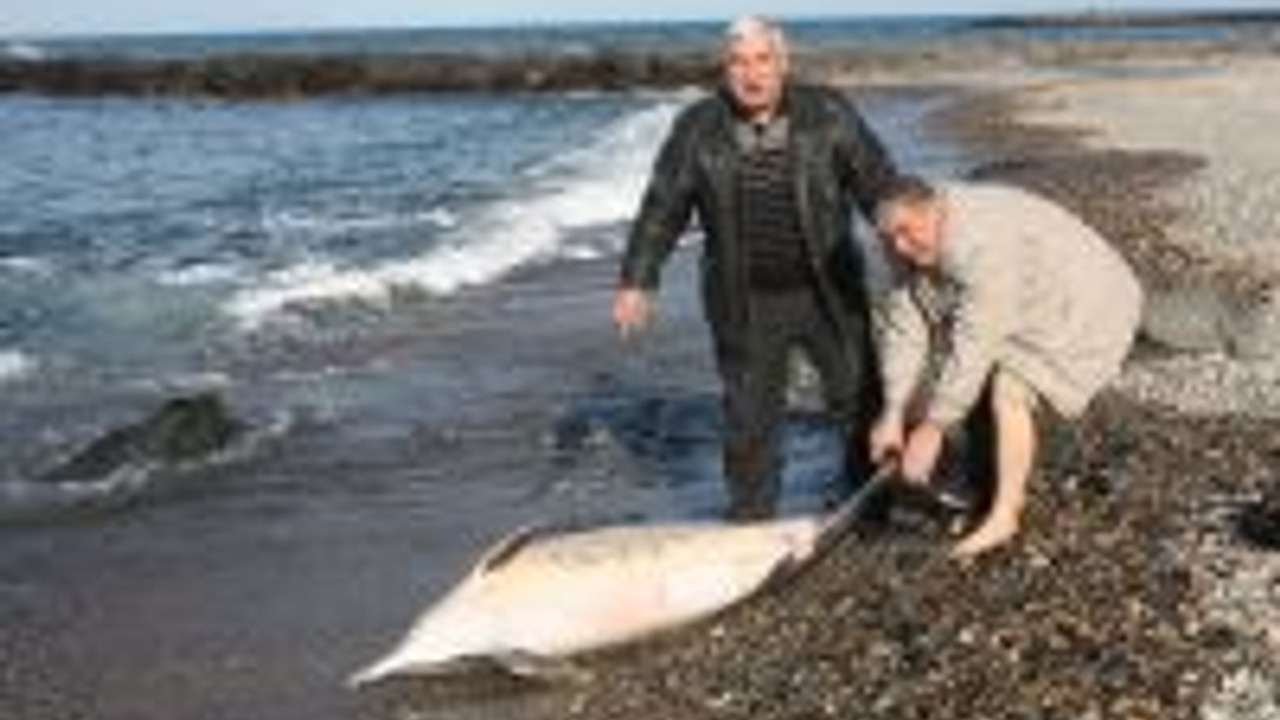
755 393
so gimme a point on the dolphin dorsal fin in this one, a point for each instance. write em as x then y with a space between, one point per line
507 548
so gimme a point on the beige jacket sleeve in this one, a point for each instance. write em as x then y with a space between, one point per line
902 334
984 316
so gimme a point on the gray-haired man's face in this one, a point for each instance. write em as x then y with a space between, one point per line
755 67
913 232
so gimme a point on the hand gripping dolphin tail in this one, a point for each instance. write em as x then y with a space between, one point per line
536 598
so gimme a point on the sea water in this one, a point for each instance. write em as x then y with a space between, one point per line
156 247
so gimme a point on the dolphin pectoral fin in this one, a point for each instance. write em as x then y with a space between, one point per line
518 664
532 666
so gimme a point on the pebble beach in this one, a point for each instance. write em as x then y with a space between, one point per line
1130 594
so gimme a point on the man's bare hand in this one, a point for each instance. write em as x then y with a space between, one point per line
632 311
887 439
920 457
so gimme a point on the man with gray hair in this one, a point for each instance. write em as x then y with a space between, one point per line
773 169
1006 302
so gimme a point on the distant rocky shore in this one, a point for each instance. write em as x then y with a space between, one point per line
290 76
270 76
1226 17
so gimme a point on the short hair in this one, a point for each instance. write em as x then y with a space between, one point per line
754 26
909 191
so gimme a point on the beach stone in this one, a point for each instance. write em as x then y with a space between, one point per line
1258 523
1187 319
1255 334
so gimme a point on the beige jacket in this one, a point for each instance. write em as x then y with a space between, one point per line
1022 285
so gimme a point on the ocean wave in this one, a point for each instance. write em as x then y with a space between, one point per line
594 186
200 274
321 224
15 365
186 383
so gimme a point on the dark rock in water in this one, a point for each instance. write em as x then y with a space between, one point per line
1259 523
183 429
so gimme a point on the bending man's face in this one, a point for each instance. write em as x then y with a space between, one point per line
754 70
913 233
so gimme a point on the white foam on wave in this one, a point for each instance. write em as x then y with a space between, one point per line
26 265
24 51
198 274
594 186
27 500
16 365
329 224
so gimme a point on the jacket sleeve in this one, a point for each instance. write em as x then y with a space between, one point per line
903 337
982 322
865 165
665 209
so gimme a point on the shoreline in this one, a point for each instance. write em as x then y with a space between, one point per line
1128 594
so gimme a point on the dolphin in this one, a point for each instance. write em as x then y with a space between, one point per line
536 597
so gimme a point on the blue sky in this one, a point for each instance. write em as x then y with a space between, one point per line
45 17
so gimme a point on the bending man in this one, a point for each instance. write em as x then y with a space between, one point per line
773 170
1005 301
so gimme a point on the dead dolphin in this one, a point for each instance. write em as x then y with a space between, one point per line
536 597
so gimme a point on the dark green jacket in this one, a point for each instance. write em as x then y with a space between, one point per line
839 165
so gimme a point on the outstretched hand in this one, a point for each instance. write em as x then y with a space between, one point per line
632 311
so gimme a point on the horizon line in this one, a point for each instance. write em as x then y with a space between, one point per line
1199 11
